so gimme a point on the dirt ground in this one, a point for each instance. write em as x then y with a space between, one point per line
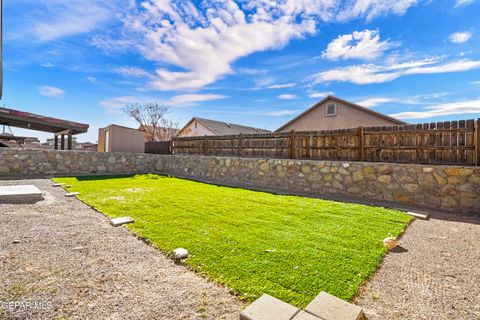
66 260
434 274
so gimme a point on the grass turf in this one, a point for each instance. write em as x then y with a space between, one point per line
254 242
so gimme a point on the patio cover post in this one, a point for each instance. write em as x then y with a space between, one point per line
69 143
55 142
62 142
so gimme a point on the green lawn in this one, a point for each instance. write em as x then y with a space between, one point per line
312 245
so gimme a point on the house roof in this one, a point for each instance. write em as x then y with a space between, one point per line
224 128
348 103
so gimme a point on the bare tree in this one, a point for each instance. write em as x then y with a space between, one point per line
152 118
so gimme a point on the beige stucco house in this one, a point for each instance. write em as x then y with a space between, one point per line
334 113
206 127
116 138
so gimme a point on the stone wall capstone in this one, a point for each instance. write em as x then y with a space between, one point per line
451 188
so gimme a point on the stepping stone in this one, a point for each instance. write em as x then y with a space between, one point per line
302 315
328 307
58 184
119 221
418 215
71 194
269 308
20 194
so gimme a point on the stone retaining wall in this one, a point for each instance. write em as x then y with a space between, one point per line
39 162
451 188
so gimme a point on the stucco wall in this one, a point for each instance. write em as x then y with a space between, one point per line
122 139
452 188
347 117
195 129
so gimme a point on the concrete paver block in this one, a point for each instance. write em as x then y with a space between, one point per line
119 221
328 307
269 308
20 194
302 315
419 215
71 194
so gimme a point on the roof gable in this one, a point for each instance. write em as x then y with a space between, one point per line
347 103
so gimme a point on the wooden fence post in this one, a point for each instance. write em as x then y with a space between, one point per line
240 145
205 146
361 144
293 145
477 143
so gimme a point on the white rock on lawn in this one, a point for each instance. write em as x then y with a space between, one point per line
180 253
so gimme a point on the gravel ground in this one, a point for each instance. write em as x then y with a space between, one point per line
434 274
64 254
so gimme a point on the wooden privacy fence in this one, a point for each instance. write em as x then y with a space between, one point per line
451 142
157 147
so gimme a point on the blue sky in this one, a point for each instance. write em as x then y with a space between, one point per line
257 62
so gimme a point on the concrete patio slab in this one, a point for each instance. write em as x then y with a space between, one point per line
269 308
302 315
20 194
328 307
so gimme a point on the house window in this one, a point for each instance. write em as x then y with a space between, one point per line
195 124
331 110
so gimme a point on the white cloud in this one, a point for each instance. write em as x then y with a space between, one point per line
53 20
372 102
92 80
287 96
357 45
120 102
461 3
374 8
460 37
281 86
445 109
372 73
188 99
132 72
251 71
49 91
195 45
320 94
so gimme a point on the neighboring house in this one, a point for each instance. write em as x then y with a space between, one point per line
116 138
205 127
334 113
161 134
